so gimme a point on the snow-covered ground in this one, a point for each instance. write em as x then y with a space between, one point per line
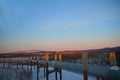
66 75
116 68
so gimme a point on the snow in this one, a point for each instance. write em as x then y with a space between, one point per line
116 68
66 75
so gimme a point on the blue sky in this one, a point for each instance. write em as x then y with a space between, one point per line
59 24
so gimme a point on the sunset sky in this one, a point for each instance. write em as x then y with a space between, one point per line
59 24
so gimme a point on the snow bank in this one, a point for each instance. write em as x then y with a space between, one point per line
116 68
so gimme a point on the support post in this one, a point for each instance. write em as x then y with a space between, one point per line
85 63
55 73
47 71
55 58
60 74
60 59
31 65
112 58
37 71
85 75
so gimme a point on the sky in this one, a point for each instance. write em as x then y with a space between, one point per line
59 24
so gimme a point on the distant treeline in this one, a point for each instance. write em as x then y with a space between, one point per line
15 55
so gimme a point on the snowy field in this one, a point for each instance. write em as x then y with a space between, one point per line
66 75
